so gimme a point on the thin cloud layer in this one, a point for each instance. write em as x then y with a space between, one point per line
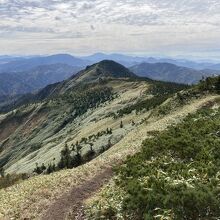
133 26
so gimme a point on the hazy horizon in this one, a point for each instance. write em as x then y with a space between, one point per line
155 56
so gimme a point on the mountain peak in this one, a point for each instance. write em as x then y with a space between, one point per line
105 69
110 68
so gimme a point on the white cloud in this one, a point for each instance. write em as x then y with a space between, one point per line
161 26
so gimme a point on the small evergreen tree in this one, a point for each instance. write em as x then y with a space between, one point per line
89 154
78 149
102 150
91 146
121 125
38 169
49 169
61 164
76 160
2 172
65 160
73 147
43 167
109 131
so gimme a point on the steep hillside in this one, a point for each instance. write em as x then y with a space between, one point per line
35 131
170 72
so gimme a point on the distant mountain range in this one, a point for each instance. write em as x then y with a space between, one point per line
129 61
22 75
17 64
16 83
25 64
171 73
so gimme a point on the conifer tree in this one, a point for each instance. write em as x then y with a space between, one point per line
43 167
91 146
65 160
121 125
76 160
61 164
2 172
49 169
37 169
109 144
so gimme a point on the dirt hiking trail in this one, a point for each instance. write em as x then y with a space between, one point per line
73 200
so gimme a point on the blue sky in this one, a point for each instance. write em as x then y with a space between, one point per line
158 27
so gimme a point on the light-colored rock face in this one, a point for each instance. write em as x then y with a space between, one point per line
35 128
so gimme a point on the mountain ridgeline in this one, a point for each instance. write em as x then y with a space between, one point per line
47 117
97 72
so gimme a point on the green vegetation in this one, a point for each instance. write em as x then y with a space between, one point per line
211 84
82 100
159 90
206 86
142 105
71 157
176 174
166 88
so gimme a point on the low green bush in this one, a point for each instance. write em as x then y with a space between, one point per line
177 173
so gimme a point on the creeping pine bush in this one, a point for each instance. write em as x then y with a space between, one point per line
177 173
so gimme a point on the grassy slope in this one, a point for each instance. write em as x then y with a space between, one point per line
168 179
83 126
31 197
